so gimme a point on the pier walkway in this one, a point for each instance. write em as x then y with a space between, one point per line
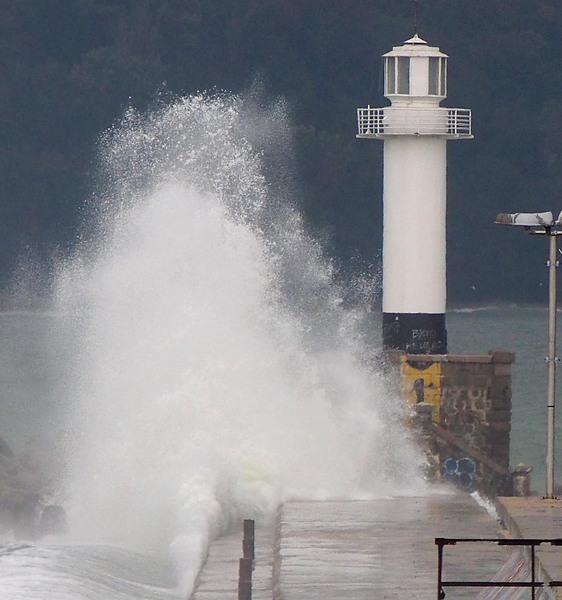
382 548
219 576
385 548
535 517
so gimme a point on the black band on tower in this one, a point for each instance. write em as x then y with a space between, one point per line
414 333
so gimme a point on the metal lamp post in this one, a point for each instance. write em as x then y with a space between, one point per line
544 224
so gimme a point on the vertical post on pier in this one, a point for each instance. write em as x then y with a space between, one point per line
247 563
551 359
245 579
248 541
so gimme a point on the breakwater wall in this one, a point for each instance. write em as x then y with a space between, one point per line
462 409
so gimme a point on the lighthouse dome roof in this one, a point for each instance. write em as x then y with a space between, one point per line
416 39
415 46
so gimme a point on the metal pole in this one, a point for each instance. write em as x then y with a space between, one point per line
440 591
551 360
533 594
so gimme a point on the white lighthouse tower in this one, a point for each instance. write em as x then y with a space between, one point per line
415 130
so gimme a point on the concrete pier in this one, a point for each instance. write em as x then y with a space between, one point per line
219 576
385 548
381 548
535 517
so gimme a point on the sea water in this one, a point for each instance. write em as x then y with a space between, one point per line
33 417
201 362
523 330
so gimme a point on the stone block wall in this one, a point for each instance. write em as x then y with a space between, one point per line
470 432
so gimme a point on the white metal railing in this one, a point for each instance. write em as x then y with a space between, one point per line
459 122
449 122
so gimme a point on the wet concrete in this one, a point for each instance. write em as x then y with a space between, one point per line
535 517
382 548
219 576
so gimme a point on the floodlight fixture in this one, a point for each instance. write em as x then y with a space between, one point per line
542 219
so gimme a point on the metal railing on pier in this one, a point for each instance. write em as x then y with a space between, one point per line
530 543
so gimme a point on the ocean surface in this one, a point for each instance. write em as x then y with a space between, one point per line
523 330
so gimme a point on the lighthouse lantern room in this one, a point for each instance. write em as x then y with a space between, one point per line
415 130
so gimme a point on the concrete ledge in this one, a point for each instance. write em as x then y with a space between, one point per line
534 517
493 356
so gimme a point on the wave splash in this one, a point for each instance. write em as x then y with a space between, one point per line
216 369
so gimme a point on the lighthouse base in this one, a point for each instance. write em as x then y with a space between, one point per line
414 333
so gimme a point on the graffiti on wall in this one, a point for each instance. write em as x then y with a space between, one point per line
421 382
461 472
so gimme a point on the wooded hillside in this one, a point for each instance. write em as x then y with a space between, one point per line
70 67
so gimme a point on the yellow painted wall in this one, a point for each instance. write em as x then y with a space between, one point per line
422 384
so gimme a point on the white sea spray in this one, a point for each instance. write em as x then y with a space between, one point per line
216 368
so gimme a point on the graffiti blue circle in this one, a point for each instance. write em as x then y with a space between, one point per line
460 472
450 466
466 465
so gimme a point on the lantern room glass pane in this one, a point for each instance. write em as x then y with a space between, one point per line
434 79
390 75
443 77
403 75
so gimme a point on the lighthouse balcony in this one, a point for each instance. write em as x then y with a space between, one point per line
378 123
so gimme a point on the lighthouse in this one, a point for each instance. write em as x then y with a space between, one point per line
414 130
